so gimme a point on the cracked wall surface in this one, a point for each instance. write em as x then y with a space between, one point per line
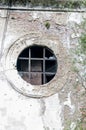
58 108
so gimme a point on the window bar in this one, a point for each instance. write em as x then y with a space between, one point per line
29 65
43 65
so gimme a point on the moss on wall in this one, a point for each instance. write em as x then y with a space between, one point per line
46 3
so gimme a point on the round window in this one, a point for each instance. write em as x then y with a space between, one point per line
37 65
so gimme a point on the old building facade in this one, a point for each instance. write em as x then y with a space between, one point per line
52 101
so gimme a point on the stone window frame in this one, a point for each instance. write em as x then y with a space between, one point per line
11 73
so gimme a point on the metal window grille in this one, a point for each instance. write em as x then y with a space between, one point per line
37 65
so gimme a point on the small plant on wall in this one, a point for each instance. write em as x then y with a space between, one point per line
47 25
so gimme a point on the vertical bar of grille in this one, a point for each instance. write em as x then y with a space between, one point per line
43 65
29 65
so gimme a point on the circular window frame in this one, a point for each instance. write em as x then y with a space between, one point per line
10 69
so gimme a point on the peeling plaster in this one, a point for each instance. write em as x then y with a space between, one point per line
73 126
18 112
69 104
52 117
75 17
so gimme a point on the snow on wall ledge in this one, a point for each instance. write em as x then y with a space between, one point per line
60 110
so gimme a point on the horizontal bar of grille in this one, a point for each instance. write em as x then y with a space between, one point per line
47 73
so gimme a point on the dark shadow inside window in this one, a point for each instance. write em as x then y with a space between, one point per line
25 53
36 52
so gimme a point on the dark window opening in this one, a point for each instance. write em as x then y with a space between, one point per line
25 53
36 52
37 65
50 66
22 65
48 54
49 78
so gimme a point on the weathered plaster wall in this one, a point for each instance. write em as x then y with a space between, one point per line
56 112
